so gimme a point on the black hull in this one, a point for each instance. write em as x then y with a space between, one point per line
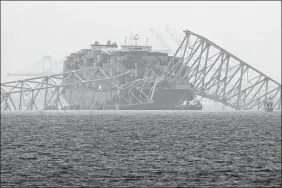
164 99
168 99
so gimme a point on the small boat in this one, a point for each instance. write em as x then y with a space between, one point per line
190 105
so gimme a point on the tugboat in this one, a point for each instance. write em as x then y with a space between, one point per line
195 104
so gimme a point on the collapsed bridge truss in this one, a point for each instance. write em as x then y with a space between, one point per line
215 74
47 92
221 76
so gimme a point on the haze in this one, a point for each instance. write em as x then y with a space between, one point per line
31 30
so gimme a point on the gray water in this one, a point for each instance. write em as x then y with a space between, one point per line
141 149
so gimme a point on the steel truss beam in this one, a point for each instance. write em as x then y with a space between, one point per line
47 92
219 75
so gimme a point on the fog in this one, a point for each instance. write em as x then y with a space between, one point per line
31 30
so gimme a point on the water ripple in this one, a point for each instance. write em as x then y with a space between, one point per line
140 149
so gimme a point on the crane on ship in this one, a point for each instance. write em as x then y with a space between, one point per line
161 39
176 39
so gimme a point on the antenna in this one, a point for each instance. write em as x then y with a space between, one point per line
147 41
135 38
125 41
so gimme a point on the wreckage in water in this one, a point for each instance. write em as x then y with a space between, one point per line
137 83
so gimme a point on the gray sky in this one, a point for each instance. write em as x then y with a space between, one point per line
30 30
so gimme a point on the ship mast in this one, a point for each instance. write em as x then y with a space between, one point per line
135 38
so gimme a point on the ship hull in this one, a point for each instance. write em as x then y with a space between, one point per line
88 100
164 99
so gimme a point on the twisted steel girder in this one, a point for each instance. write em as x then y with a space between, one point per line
219 75
24 94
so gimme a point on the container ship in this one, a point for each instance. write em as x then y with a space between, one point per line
142 62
